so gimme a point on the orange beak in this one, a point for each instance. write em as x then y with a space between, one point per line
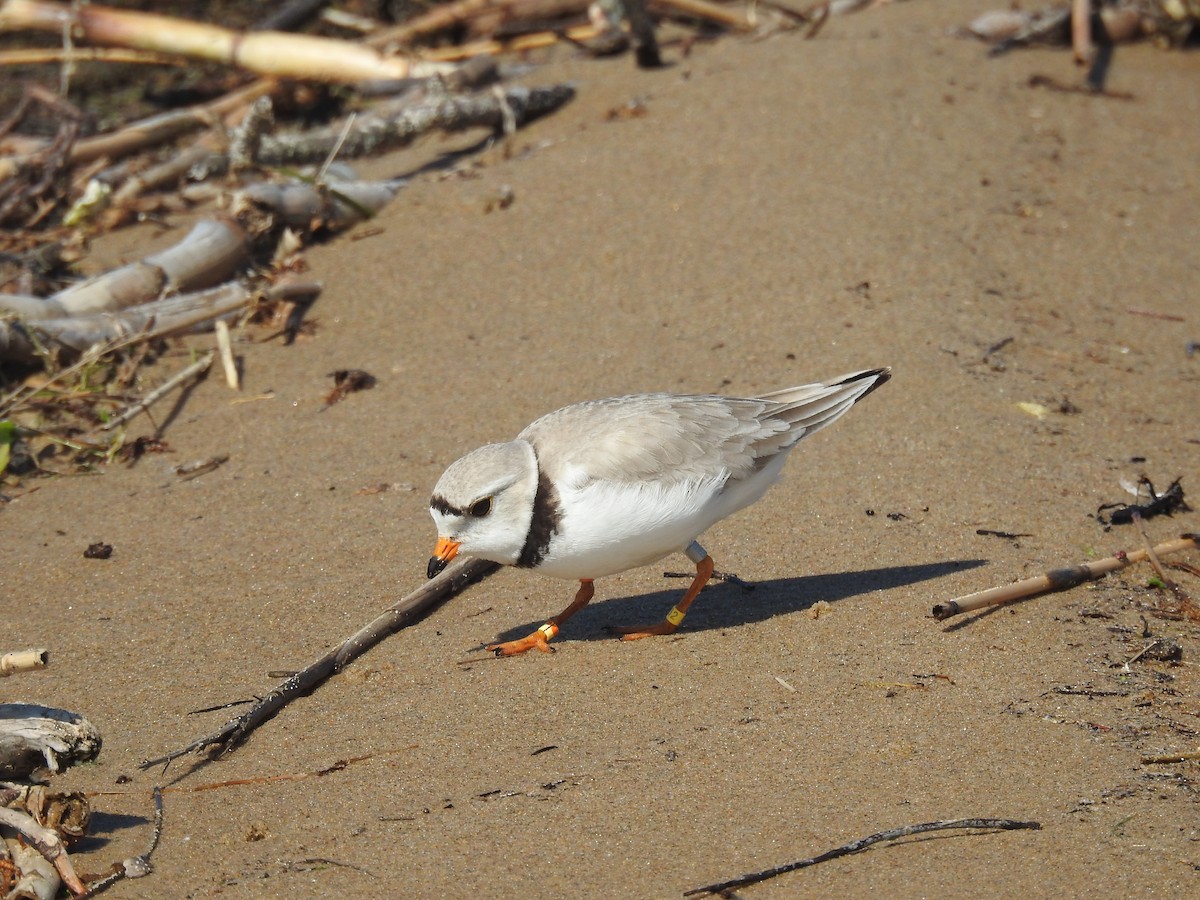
446 550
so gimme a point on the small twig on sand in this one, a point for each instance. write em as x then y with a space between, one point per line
1058 579
197 368
404 612
135 866
725 888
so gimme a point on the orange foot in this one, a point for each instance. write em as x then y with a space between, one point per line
538 639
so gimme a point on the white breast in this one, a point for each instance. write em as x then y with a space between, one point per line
609 527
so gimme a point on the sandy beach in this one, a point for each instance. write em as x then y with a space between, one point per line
756 215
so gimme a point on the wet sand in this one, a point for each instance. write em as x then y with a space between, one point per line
783 211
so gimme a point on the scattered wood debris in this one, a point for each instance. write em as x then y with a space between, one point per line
1092 29
37 825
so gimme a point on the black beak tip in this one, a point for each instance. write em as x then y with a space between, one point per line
435 566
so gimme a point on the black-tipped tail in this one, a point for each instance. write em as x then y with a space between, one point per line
881 377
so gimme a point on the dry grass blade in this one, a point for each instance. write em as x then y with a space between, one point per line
725 888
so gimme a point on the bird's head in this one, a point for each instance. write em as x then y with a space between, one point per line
483 504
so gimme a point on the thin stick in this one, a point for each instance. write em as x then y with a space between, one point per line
725 887
1170 758
337 148
196 368
1058 579
403 612
32 56
1150 554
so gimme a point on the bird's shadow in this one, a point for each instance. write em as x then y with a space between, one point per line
727 604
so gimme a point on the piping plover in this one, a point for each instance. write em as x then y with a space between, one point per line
608 485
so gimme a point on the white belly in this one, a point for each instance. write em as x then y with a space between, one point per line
608 527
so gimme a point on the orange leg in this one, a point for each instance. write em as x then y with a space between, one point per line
541 638
704 570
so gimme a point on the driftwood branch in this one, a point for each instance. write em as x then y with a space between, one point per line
35 738
393 127
22 341
1059 579
148 132
404 612
725 888
334 205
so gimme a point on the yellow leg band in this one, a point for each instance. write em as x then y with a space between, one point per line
549 630
675 616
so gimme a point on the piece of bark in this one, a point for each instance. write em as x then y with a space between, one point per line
37 739
212 252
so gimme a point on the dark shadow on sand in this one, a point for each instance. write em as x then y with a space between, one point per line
727 605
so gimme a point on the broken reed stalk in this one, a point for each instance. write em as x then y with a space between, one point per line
273 53
1059 579
725 888
23 661
403 612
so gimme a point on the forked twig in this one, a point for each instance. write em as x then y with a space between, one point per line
403 612
724 888
1059 579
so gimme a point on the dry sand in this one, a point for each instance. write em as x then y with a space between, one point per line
783 211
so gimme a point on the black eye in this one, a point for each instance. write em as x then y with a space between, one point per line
481 508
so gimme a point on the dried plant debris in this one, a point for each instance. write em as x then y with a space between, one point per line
347 381
98 550
1168 22
1167 503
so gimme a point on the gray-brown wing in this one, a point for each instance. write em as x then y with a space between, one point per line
656 437
675 437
